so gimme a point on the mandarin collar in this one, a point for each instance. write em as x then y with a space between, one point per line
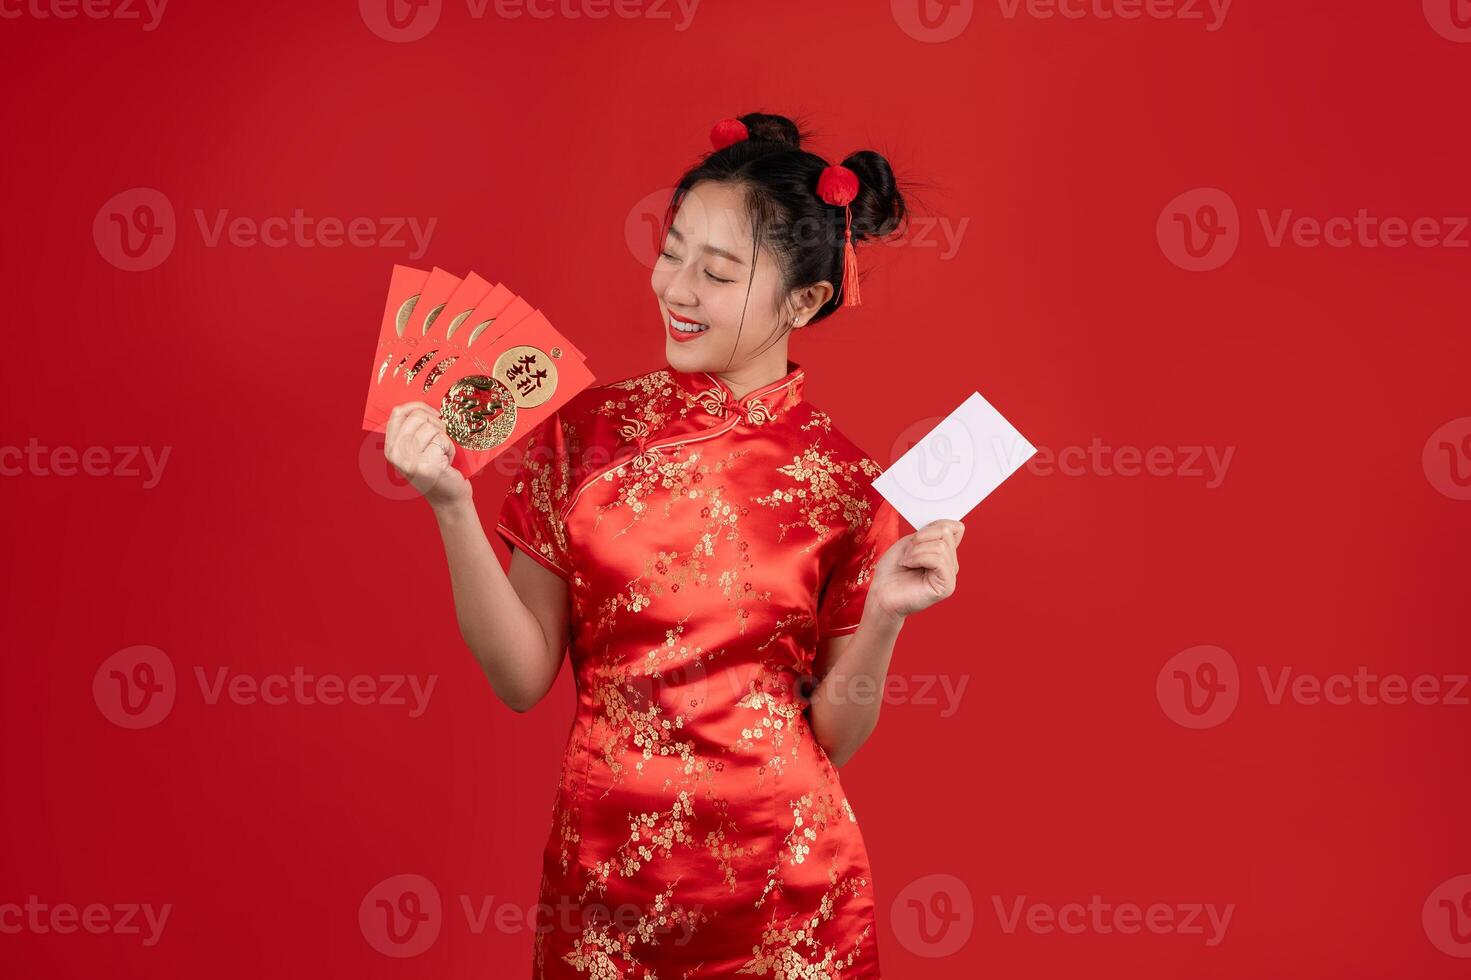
759 405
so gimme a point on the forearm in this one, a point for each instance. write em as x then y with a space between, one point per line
502 633
844 707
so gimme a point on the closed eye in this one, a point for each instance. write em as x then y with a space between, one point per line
708 274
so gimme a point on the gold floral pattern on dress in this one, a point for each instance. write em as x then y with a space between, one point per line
828 492
790 949
778 719
607 951
649 834
637 720
709 542
811 815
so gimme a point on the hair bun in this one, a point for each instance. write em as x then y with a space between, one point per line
879 207
773 129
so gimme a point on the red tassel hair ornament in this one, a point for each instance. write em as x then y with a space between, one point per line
838 186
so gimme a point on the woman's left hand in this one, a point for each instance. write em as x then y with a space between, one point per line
918 570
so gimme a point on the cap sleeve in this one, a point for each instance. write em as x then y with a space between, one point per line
530 516
840 606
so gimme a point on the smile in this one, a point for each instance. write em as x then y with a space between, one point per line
681 329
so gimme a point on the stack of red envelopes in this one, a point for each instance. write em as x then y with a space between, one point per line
492 365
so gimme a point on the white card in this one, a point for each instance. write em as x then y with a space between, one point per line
956 465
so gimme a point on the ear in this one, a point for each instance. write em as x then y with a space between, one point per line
809 299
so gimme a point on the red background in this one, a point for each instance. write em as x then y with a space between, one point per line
265 547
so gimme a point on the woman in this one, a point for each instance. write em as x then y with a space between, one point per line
731 586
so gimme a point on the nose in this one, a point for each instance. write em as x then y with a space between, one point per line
679 290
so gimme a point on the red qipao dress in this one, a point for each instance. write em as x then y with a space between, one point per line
709 543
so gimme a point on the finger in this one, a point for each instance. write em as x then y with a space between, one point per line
408 431
924 555
422 437
440 441
939 530
420 411
940 557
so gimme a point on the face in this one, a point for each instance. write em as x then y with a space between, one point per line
701 278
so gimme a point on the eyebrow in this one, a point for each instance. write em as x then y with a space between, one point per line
711 248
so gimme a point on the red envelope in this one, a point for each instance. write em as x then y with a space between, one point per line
458 308
495 370
410 345
404 288
420 358
534 367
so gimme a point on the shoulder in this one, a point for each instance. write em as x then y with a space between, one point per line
847 469
600 418
817 430
603 408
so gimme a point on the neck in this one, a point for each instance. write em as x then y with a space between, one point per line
771 366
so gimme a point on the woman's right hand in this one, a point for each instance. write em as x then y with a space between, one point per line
418 446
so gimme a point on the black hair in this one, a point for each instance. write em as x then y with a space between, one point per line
803 232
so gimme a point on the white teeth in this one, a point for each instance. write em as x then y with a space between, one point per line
683 327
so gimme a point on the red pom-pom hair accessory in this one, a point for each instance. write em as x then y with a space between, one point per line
838 186
728 131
